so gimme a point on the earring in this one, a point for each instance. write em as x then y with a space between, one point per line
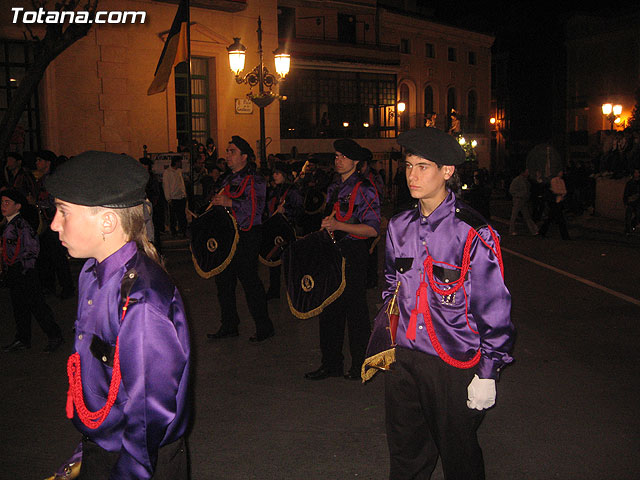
103 239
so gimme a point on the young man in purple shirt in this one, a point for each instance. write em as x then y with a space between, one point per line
454 333
355 218
244 192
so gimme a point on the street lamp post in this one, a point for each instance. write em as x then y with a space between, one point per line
261 77
612 113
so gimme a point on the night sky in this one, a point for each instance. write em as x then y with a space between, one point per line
533 35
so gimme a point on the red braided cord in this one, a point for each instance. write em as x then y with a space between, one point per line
455 286
15 254
75 395
352 201
241 189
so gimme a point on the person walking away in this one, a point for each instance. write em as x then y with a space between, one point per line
176 194
129 374
520 190
558 192
20 248
451 347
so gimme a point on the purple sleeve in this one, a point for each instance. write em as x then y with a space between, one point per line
367 208
29 246
490 303
152 362
389 265
293 206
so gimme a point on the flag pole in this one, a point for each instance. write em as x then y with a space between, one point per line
189 93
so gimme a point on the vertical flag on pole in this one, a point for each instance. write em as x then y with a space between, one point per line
175 49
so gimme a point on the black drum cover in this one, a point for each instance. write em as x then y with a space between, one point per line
277 234
314 272
214 237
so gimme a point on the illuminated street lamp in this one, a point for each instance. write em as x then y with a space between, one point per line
259 76
612 113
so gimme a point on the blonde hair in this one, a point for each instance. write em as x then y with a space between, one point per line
134 228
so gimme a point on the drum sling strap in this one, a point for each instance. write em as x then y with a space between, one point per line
422 301
75 396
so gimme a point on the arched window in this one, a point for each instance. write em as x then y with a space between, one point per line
428 100
472 109
404 116
451 105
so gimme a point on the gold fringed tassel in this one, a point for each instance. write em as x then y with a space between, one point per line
380 361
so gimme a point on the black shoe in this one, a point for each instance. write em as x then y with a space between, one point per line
352 375
322 373
16 346
53 345
223 333
257 338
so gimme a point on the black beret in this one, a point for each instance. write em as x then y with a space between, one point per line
433 144
100 179
47 155
368 154
282 167
14 195
243 146
350 149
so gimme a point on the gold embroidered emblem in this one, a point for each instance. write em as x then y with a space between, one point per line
212 245
307 283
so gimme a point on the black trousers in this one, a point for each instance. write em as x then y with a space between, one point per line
556 215
274 279
350 309
97 462
27 300
177 215
427 416
244 267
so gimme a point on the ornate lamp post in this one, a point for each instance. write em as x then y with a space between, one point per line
612 113
259 76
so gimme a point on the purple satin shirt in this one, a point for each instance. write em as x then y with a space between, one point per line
366 208
151 409
249 206
444 233
19 228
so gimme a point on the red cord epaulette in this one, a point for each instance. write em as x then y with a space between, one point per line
422 303
352 201
75 395
238 193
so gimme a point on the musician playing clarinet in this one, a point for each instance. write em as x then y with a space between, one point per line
244 193
354 215
454 333
283 198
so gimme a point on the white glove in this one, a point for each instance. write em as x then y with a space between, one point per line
481 393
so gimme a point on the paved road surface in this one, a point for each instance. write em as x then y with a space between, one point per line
566 409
